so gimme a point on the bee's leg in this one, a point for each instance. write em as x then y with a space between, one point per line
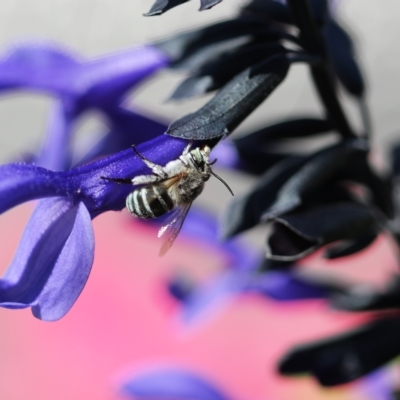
182 157
137 180
187 148
146 179
157 169
118 180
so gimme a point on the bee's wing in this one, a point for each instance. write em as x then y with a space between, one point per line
172 227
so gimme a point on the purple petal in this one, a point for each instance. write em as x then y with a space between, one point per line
23 182
377 385
102 81
108 78
205 299
52 262
70 271
39 66
285 286
282 286
227 155
172 384
55 154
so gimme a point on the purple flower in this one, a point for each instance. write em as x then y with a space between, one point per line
241 275
171 383
275 285
53 261
377 385
80 85
228 155
55 255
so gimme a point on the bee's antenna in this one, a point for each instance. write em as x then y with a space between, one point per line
218 177
135 150
188 147
117 180
213 162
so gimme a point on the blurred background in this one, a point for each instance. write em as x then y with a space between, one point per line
124 319
97 27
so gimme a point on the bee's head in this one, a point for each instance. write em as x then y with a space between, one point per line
201 160
200 157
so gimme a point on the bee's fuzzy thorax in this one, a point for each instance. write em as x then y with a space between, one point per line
172 187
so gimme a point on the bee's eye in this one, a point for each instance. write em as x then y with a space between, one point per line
197 157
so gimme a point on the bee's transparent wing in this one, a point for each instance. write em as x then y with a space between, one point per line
170 230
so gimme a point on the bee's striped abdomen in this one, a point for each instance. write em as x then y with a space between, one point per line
150 201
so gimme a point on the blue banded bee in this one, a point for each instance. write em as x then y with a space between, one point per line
170 188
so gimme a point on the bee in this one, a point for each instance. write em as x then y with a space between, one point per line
171 188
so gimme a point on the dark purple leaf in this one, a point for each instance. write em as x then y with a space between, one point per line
320 11
292 128
296 235
161 6
233 103
344 358
207 4
380 187
362 298
279 11
291 183
349 247
213 75
319 169
244 212
210 52
274 265
343 59
190 50
259 161
182 44
396 159
272 9
256 149
193 86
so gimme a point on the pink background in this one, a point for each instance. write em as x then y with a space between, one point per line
125 321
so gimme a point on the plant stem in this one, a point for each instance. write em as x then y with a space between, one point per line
322 73
365 117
